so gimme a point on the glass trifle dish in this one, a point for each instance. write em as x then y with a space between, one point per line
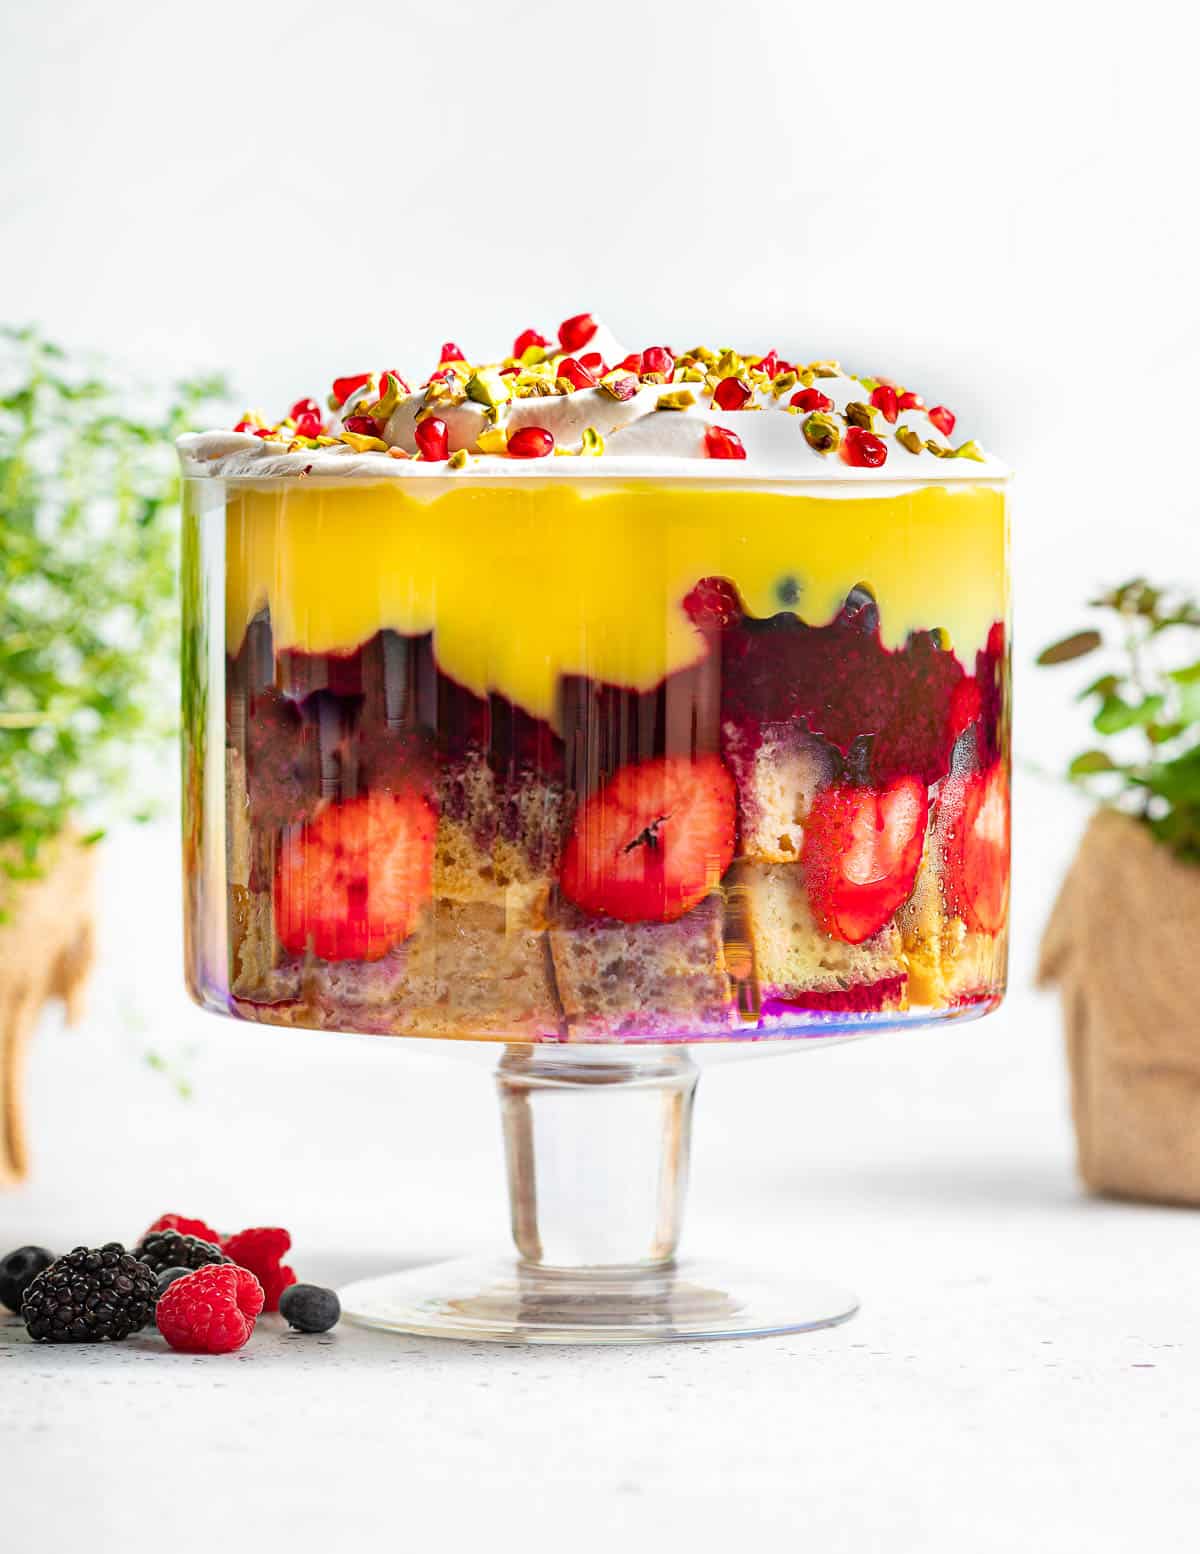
617 708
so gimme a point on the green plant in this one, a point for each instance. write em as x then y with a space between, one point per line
1146 706
88 619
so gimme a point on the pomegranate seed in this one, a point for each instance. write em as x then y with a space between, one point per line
509 372
731 394
344 387
811 399
721 443
632 363
594 363
264 431
769 364
943 419
622 388
431 438
451 353
713 604
658 359
525 339
863 449
363 425
575 373
304 407
308 426
574 333
442 372
884 398
910 401
247 426
530 442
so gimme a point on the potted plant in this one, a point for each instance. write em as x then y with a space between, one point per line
1122 941
88 525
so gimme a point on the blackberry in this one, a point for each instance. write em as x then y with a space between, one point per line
18 1271
167 1278
161 1249
89 1295
309 1308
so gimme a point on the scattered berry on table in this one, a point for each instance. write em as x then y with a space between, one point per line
262 1250
309 1308
168 1276
160 1249
210 1310
91 1294
185 1227
18 1271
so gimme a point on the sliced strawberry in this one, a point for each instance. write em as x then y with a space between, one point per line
352 881
974 813
862 849
653 841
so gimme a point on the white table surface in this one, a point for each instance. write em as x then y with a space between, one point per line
1024 1374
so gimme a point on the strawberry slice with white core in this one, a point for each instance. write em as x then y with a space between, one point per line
975 829
652 843
862 849
350 885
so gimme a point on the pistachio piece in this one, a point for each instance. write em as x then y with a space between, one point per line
785 381
458 459
677 399
937 449
821 432
486 387
621 385
362 444
493 439
858 414
825 369
970 450
909 439
391 391
592 442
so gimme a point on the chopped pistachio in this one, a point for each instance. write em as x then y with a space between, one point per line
325 442
970 450
487 387
458 459
362 444
938 450
493 439
693 375
592 442
870 384
907 438
821 432
653 377
677 399
729 364
390 394
532 355
858 414
703 354
825 369
784 381
621 385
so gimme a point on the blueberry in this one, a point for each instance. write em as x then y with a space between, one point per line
168 1277
309 1308
18 1271
788 590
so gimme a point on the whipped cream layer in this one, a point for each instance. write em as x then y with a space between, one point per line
599 406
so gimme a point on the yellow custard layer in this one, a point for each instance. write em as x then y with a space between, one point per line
524 581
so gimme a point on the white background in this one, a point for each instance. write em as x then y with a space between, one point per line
995 204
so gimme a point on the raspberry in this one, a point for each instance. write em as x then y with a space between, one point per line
211 1311
261 1250
185 1227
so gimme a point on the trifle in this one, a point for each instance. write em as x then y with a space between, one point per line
591 698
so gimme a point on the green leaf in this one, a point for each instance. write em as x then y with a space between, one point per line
1106 685
1076 646
1090 762
1116 715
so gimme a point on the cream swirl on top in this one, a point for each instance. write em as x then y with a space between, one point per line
586 396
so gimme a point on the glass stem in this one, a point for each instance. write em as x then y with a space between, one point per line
597 1143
